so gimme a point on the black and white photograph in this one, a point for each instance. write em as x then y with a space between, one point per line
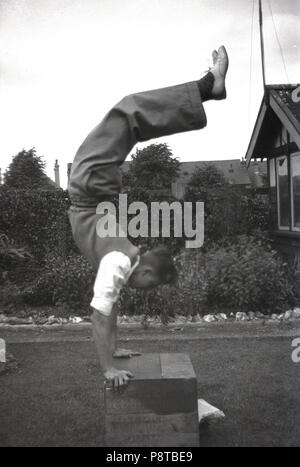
149 226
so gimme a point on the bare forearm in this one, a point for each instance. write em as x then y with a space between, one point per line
104 332
104 337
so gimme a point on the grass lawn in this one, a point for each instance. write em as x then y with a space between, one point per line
54 398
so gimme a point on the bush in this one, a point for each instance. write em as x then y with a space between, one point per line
11 257
66 283
37 220
158 302
11 300
184 298
230 211
246 276
10 254
74 280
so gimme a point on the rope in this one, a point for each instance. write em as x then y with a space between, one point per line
278 41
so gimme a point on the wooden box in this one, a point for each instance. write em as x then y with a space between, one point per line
158 407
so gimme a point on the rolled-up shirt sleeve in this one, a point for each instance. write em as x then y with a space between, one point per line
112 275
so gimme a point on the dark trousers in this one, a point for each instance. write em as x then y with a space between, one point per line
95 171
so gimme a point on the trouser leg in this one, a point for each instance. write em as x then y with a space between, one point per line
137 117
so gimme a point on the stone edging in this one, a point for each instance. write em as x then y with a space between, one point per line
138 321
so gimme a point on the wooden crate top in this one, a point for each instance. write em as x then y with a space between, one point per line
158 366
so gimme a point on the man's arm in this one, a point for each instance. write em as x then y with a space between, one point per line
117 351
104 333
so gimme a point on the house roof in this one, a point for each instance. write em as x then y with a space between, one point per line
234 171
279 107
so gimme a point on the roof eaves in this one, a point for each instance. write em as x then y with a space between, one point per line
260 118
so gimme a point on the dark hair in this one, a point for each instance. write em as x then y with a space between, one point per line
161 259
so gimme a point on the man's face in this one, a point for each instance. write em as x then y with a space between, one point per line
144 277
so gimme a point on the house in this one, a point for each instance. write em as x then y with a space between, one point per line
276 139
235 172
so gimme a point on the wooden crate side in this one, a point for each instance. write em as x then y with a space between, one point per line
148 423
153 396
165 440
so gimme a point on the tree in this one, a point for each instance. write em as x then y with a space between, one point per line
229 211
152 168
149 178
203 180
26 171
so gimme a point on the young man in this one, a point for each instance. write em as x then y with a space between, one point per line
95 177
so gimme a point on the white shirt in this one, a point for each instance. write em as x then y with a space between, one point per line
113 273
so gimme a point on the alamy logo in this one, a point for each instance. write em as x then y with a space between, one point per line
188 220
296 95
296 352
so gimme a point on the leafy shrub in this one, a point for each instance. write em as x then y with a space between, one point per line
246 276
41 291
188 296
229 211
74 280
38 220
158 302
10 253
166 301
11 256
11 300
66 283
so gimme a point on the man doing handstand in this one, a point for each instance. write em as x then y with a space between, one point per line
95 177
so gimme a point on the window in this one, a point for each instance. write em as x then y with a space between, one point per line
295 190
272 173
283 198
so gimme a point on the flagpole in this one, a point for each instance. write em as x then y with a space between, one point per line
262 46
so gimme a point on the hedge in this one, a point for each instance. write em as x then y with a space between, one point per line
37 220
231 271
245 276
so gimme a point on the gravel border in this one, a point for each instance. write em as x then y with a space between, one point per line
138 321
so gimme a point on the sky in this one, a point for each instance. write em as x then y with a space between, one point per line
65 63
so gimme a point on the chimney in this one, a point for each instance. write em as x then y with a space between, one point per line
56 173
69 170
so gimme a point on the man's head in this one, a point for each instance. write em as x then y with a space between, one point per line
156 267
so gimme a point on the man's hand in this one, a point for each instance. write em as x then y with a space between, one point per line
124 353
118 377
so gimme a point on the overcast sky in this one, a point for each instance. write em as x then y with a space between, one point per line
64 63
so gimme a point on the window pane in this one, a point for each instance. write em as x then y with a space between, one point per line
295 169
283 192
272 173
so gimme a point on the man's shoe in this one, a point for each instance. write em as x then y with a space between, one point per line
214 56
219 70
